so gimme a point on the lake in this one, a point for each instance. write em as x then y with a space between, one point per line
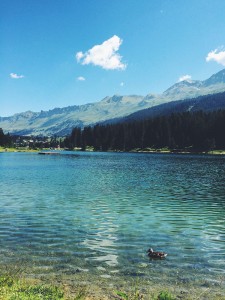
96 214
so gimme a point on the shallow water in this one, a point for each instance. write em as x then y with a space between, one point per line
98 213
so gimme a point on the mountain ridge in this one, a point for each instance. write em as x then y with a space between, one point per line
60 121
207 103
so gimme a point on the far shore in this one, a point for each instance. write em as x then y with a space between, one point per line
211 152
90 149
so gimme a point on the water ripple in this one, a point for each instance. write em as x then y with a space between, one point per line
102 211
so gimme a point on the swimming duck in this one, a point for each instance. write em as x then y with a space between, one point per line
156 254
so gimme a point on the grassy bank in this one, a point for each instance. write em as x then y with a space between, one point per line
14 287
20 289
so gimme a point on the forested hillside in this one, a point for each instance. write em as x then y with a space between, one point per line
205 103
198 131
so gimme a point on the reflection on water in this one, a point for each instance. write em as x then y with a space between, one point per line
100 212
103 242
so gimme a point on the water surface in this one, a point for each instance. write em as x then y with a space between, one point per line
99 212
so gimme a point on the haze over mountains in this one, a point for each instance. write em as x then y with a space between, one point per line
60 121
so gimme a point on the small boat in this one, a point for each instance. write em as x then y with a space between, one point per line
49 153
156 254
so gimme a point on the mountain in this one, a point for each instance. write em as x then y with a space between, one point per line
216 79
195 88
205 103
60 121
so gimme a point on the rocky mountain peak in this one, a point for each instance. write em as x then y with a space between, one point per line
215 78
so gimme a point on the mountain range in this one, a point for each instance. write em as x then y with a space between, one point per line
185 95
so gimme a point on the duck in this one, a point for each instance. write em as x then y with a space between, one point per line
156 254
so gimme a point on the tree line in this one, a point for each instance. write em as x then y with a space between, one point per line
5 139
198 131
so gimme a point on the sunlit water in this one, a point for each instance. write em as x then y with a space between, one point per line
99 213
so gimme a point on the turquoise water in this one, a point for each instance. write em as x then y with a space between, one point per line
98 213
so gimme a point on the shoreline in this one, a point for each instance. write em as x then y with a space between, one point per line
88 287
147 150
212 152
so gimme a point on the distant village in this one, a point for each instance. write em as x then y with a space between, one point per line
33 142
30 142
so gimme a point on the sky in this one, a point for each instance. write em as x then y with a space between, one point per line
57 53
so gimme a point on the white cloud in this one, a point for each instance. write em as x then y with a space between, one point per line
104 55
216 55
81 78
79 55
184 77
16 76
122 83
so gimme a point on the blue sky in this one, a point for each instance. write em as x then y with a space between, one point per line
56 53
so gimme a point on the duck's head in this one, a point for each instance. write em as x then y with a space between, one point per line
150 250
